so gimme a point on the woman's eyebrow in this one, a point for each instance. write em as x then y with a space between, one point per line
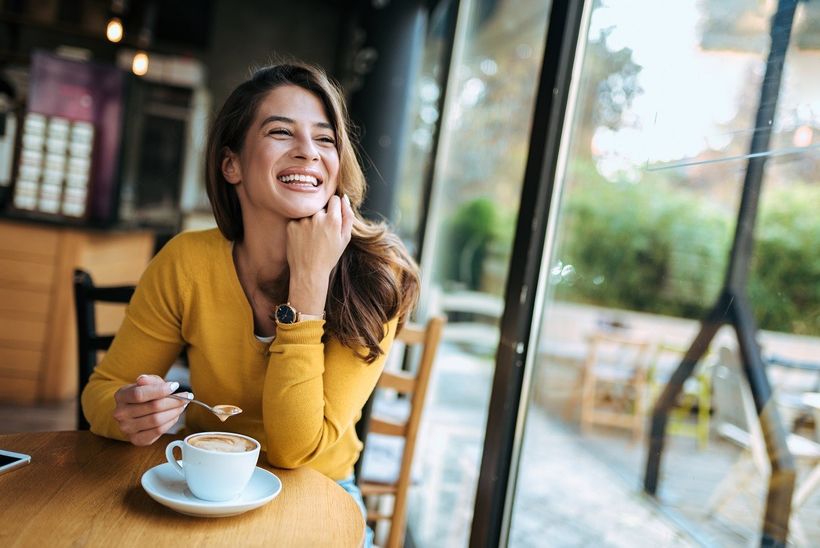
286 120
277 118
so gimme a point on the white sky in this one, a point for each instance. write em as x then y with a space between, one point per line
687 92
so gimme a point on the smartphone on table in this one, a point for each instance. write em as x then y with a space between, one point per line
9 460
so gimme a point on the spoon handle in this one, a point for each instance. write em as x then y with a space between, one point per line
191 400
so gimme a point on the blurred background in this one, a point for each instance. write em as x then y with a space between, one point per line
104 111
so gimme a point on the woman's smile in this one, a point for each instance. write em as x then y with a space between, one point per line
300 179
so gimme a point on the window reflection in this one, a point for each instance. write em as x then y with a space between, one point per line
480 159
657 156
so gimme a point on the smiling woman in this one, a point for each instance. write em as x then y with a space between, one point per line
288 158
288 309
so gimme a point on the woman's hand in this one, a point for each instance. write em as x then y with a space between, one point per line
143 411
314 246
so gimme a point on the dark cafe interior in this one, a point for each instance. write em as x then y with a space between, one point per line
594 220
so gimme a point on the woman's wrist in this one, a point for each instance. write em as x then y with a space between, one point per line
308 296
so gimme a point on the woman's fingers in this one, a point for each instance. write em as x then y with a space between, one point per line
144 412
137 410
347 217
334 210
146 388
147 437
150 421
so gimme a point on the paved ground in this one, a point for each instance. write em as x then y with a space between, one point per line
568 496
573 489
689 479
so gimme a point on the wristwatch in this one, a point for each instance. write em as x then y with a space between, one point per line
286 314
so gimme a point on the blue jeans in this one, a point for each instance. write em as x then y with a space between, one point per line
349 485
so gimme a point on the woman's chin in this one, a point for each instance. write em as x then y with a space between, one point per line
296 213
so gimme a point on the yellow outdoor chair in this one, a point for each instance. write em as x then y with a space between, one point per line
692 414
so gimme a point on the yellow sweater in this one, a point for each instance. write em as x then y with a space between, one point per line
301 398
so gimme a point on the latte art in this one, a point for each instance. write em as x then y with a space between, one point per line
224 443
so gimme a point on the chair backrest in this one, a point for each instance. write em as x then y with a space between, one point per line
89 342
413 387
618 351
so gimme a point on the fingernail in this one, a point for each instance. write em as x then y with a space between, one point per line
346 199
141 376
173 386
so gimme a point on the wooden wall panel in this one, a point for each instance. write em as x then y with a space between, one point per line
19 391
24 303
38 347
27 275
21 363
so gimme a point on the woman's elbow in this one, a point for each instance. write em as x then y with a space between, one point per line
287 460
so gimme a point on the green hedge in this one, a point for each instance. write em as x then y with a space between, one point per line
785 282
637 248
657 248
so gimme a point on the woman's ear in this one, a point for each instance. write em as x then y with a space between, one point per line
231 169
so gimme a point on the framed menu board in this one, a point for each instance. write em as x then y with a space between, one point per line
55 165
70 143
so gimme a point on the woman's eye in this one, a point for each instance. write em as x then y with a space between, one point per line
326 139
279 131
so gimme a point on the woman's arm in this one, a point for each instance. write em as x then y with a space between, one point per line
312 395
117 402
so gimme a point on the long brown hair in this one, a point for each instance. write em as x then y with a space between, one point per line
375 279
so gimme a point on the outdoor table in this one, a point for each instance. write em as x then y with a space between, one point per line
812 481
84 490
812 399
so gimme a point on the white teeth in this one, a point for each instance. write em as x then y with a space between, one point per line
300 179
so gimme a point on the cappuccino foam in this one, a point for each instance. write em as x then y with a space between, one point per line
222 442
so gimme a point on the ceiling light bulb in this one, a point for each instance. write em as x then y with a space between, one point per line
114 30
140 64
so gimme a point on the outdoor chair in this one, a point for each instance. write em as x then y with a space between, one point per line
614 382
753 462
691 416
472 318
392 428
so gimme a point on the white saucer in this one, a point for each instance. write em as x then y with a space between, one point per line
164 484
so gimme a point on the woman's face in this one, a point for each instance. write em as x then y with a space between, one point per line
289 164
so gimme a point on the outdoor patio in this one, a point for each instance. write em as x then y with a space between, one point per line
577 489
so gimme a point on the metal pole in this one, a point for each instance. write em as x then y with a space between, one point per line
732 306
491 504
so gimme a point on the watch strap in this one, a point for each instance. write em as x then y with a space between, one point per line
302 317
285 313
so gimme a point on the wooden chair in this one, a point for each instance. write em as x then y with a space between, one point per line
752 466
409 388
89 342
614 384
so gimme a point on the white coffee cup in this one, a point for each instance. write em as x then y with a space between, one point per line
216 465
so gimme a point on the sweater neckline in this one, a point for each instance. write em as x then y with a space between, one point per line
239 294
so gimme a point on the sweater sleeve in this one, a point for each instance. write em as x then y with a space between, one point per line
313 394
147 342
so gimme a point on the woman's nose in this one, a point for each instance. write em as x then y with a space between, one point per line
304 147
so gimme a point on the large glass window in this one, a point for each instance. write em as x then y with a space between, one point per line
481 155
657 154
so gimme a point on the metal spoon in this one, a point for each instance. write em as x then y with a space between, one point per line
222 411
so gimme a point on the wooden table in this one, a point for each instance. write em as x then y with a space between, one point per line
84 490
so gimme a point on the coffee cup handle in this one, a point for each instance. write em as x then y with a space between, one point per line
169 455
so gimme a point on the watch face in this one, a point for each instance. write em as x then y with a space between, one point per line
285 314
